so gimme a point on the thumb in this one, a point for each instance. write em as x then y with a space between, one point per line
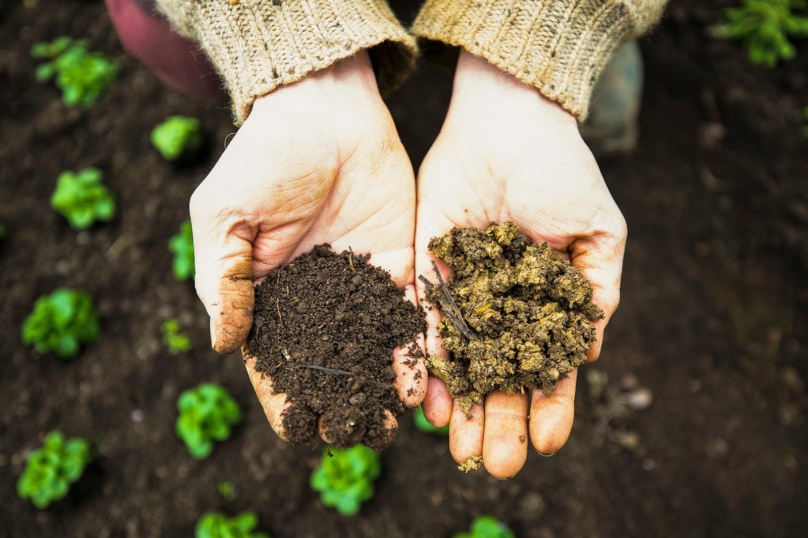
224 281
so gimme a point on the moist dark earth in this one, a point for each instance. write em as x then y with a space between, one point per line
713 316
514 315
324 330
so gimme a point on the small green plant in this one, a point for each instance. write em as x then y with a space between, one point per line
175 340
217 525
423 424
61 322
345 478
227 491
83 199
207 413
51 469
182 245
487 527
804 129
3 232
177 136
81 75
764 27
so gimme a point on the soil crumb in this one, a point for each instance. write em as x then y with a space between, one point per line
324 330
514 315
474 463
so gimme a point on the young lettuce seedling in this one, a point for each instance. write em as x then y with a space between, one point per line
487 527
81 75
207 413
175 340
51 469
217 525
423 424
345 478
176 137
182 245
764 26
83 199
61 322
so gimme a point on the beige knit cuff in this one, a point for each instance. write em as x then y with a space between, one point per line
558 46
258 45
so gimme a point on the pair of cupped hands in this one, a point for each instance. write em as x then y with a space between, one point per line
320 161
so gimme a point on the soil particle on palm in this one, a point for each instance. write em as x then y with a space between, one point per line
514 315
324 330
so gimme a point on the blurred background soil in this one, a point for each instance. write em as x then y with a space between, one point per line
713 321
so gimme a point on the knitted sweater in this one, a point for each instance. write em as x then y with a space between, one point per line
558 46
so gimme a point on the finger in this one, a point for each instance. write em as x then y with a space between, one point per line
224 275
408 363
466 434
505 440
437 403
599 257
551 416
274 404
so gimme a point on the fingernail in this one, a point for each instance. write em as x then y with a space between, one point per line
545 455
212 336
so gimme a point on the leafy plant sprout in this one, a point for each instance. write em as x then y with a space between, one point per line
81 75
175 340
61 322
207 414
423 424
345 478
217 525
177 136
182 245
487 527
227 491
51 469
82 198
764 27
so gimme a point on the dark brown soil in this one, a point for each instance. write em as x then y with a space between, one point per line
324 331
713 316
514 314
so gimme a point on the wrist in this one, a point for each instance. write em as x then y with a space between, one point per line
485 89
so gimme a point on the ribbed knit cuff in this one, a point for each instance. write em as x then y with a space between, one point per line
558 46
258 45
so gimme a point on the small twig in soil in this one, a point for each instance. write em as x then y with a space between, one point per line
324 369
278 305
286 355
448 305
350 258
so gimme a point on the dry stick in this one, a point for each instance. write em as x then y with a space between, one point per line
350 258
451 309
324 369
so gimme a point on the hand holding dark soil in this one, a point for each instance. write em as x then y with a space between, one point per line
316 162
506 153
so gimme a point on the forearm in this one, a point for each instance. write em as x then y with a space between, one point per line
557 46
259 45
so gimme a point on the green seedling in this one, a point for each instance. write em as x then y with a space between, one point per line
764 26
227 491
61 322
182 245
217 525
423 424
487 527
207 414
804 129
83 199
175 340
51 469
3 232
345 478
81 75
176 137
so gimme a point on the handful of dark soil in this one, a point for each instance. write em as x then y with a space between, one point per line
514 315
324 329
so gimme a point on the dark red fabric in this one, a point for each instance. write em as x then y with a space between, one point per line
176 60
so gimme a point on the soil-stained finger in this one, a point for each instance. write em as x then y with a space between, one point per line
466 434
274 404
505 441
551 417
408 363
437 403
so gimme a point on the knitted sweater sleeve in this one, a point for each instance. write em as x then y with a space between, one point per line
558 46
258 45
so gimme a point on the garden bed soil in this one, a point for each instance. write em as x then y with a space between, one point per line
324 330
712 320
